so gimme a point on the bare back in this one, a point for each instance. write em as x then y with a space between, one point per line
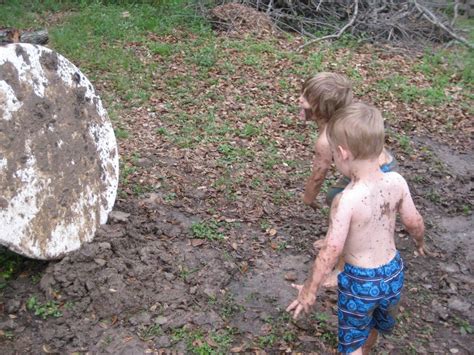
375 203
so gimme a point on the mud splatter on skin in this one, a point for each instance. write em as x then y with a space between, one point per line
385 210
51 129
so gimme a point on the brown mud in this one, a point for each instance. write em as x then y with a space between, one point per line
145 270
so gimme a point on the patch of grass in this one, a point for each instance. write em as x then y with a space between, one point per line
268 340
43 310
201 343
405 143
10 263
229 308
466 210
121 133
150 332
252 60
205 57
329 336
464 326
433 196
162 49
126 169
232 154
399 86
209 230
7 334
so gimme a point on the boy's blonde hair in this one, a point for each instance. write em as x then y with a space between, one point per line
326 93
358 128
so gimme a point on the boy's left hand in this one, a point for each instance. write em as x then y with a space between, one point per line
303 302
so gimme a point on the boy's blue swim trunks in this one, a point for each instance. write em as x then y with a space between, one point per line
368 298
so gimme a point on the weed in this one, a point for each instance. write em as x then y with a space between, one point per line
185 273
466 210
229 307
36 278
121 133
282 246
252 60
205 57
169 197
210 230
433 196
162 49
150 332
464 326
267 340
9 263
250 130
8 334
45 310
197 342
264 224
162 131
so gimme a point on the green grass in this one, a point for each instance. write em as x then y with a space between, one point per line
204 343
43 310
209 230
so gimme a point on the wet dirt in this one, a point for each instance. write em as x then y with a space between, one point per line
146 279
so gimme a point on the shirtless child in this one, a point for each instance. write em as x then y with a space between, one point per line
361 229
321 96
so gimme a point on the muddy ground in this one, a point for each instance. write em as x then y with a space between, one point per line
194 267
145 284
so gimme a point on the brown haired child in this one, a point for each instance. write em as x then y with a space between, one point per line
321 96
361 230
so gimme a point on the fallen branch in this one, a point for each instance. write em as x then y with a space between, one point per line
341 31
434 20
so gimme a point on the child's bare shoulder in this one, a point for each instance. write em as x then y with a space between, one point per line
395 179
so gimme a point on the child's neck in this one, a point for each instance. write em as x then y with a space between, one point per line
366 169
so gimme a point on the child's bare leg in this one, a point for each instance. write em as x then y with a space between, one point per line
369 344
331 280
365 349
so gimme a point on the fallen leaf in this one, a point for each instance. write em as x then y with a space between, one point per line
197 242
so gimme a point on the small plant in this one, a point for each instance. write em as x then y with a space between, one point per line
210 230
9 263
121 133
464 326
230 307
206 57
433 196
404 142
169 197
150 332
48 309
267 340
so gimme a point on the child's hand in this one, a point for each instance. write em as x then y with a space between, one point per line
303 302
423 251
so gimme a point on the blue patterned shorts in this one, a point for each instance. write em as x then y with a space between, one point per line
368 299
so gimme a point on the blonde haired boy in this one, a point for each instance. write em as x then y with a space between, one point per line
321 95
361 229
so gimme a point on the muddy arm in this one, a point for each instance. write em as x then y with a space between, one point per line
321 164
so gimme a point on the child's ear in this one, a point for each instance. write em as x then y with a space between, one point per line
343 152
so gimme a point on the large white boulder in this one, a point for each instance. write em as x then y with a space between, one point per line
58 154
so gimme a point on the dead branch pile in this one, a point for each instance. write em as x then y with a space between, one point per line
394 21
240 19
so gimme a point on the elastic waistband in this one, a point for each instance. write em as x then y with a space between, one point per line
382 272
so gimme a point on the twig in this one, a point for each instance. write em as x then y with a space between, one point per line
434 20
456 13
341 31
